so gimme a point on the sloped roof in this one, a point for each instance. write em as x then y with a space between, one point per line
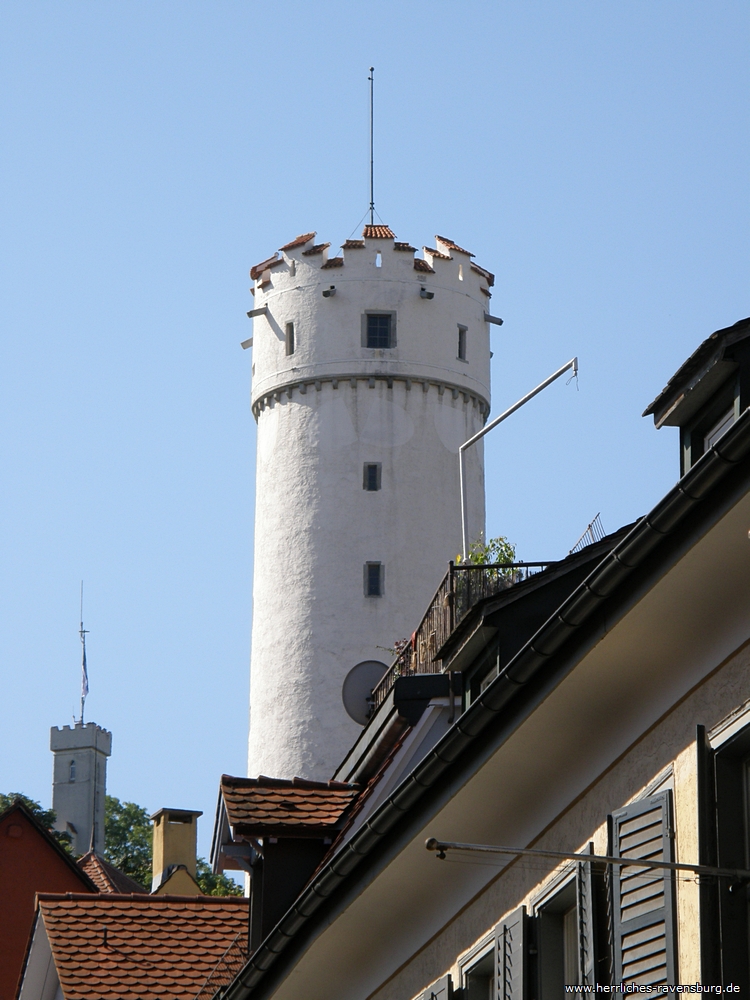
258 269
150 947
333 262
318 248
699 359
258 804
378 233
106 877
422 265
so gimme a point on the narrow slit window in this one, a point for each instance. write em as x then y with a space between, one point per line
72 772
379 330
373 579
462 343
460 272
371 477
378 260
289 339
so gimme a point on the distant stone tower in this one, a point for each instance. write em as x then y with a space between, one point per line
79 782
369 371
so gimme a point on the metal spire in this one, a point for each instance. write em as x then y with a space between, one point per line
371 78
82 632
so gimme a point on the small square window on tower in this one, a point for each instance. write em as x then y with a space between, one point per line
289 339
371 477
462 343
379 330
373 579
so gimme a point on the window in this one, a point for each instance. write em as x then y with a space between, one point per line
557 943
715 432
72 774
373 579
480 979
379 330
461 343
371 477
289 339
378 260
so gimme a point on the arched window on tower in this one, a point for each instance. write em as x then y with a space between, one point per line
72 775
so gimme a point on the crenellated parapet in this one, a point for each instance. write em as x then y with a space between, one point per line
301 258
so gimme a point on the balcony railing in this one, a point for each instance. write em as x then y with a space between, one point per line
463 586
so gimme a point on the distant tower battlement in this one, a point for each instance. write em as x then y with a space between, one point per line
79 782
369 371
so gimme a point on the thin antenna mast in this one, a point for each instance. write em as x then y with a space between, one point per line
82 632
371 78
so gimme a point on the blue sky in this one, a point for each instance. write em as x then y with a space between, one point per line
594 155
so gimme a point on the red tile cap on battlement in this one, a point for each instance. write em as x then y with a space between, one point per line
378 233
298 241
333 262
353 245
407 247
318 248
265 265
262 804
437 253
488 275
453 246
422 265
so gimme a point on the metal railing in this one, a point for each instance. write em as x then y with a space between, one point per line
463 586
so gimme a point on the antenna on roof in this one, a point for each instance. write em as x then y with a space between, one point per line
371 78
84 671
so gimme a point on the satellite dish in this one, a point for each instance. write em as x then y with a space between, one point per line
358 686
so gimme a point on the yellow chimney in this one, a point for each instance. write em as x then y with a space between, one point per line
175 850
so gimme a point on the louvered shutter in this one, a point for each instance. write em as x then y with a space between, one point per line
586 924
511 956
441 989
643 899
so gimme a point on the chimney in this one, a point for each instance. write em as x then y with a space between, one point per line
175 850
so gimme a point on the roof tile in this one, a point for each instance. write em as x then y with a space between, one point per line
318 248
333 262
422 265
139 957
453 246
298 241
378 233
271 803
106 877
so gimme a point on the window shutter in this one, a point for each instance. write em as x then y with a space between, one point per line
441 989
644 900
586 924
708 890
511 956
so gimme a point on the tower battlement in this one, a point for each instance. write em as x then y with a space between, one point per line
79 782
445 265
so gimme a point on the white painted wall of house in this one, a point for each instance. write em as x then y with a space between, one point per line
315 525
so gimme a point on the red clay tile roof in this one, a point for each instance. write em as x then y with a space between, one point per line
298 241
149 947
399 245
437 253
106 877
453 246
352 244
333 262
378 233
258 269
263 804
484 273
422 265
318 248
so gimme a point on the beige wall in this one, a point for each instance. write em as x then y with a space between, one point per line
664 754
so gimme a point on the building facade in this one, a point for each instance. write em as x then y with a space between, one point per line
589 727
369 371
79 783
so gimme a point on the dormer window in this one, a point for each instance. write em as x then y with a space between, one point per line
715 432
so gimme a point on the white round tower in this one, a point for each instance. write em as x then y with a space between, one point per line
369 371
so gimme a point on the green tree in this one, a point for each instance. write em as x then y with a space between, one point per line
127 839
496 551
45 816
215 885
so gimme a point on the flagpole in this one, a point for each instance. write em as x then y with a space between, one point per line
84 670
